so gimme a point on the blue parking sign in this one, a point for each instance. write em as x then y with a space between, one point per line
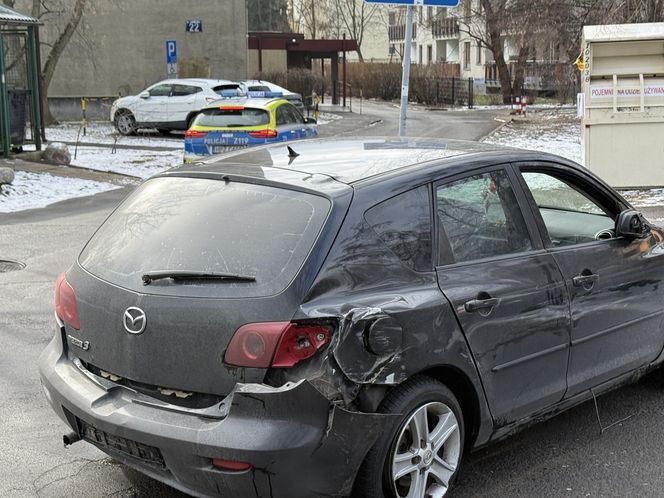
171 52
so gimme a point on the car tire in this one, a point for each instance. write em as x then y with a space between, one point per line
432 469
190 120
125 123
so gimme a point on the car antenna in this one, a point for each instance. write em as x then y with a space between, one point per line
292 155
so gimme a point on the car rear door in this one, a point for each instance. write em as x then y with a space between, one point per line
614 284
183 100
507 291
288 122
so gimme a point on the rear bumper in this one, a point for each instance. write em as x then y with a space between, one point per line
299 444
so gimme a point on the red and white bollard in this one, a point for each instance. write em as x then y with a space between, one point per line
519 105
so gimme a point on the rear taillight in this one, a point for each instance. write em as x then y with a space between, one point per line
267 133
65 302
194 134
275 344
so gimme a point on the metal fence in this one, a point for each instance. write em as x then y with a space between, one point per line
447 90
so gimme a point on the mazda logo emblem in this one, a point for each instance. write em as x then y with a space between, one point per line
134 320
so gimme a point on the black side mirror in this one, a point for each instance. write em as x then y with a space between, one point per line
632 225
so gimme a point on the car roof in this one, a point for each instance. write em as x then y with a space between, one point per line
196 81
269 84
252 102
351 161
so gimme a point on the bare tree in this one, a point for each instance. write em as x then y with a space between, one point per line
352 17
66 14
488 22
314 17
643 10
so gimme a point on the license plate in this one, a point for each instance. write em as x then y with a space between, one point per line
141 451
220 149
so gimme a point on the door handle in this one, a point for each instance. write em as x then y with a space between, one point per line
481 304
585 280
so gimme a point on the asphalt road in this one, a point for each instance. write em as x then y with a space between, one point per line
566 456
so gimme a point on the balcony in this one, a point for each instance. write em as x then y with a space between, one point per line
445 28
398 32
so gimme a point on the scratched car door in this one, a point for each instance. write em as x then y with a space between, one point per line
616 285
507 292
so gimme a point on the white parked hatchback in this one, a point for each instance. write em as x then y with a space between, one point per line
167 105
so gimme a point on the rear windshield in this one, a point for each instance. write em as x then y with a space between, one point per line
225 88
232 118
192 224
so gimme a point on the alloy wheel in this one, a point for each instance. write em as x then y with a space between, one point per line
125 124
427 453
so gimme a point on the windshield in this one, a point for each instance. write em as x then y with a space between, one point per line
232 118
211 226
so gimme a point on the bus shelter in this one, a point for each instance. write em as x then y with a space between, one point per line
20 88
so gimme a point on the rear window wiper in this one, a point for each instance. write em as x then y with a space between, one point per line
194 275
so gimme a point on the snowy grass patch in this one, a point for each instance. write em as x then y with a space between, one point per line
37 190
141 163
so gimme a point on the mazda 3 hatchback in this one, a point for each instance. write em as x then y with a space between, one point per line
349 317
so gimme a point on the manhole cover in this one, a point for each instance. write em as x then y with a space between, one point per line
7 265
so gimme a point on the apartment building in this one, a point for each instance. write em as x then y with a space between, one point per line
450 37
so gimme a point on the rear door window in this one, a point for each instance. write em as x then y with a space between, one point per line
479 217
232 118
403 223
194 224
184 90
292 114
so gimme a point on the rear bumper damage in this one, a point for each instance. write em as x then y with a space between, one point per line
298 442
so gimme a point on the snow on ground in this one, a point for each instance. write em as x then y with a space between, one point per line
141 163
36 190
327 117
558 131
104 132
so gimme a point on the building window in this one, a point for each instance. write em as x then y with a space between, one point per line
429 54
392 18
421 54
479 53
466 56
467 8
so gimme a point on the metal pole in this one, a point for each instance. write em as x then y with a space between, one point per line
343 50
42 95
33 69
405 77
4 104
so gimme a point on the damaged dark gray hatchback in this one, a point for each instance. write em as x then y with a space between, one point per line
349 320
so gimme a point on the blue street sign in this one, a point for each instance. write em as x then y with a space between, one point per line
429 3
171 52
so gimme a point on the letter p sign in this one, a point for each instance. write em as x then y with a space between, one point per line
171 52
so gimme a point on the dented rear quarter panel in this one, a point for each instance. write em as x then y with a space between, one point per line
393 322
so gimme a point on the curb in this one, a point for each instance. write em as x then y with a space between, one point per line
496 129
